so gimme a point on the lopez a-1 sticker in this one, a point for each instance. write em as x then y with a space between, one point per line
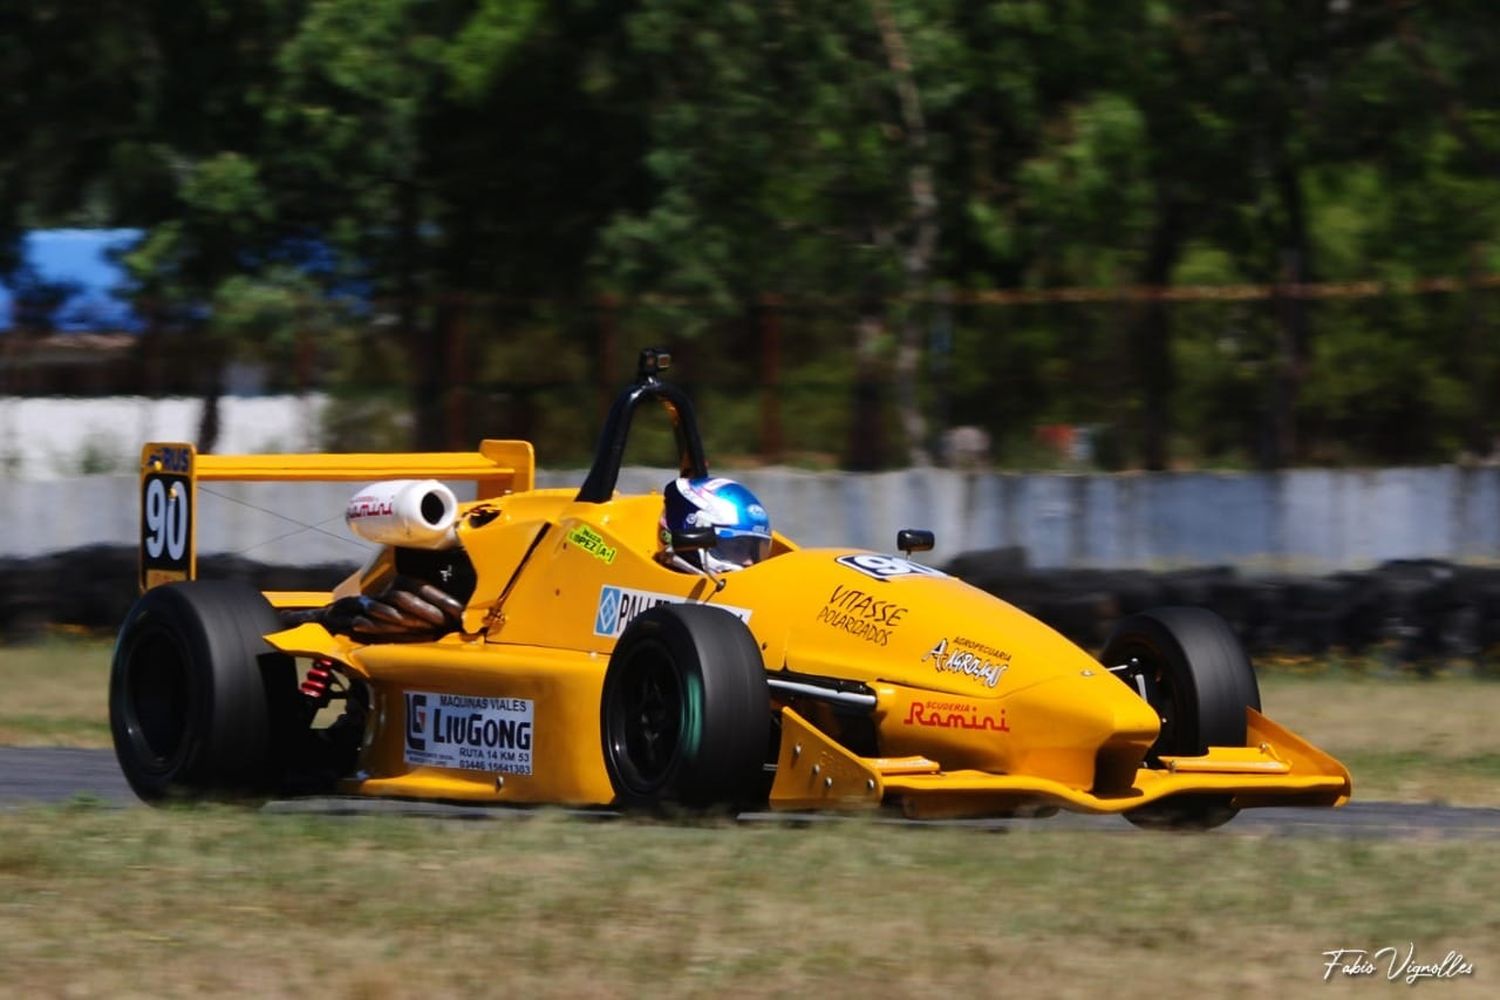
593 543
470 732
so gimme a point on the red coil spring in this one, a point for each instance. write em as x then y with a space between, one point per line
319 677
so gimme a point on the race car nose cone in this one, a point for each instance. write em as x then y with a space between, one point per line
1063 727
1134 718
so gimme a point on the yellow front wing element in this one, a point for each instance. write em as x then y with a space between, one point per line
814 772
1280 768
298 598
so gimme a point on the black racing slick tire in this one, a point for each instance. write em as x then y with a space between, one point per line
199 703
1189 665
686 711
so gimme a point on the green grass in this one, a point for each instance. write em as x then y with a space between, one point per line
48 730
184 902
56 693
1414 776
1404 739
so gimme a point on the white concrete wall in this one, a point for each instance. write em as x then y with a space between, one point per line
55 438
1304 519
1309 520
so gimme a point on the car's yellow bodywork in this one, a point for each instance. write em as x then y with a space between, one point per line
977 708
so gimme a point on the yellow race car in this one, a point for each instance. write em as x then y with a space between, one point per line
550 646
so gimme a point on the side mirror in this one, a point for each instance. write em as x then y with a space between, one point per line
911 540
694 539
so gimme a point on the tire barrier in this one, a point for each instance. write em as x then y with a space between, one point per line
93 587
1416 613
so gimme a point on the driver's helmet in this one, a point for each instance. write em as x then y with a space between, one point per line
737 517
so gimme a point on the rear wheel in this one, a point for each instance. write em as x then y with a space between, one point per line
199 704
1189 666
685 710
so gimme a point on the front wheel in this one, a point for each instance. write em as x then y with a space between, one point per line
1190 667
685 710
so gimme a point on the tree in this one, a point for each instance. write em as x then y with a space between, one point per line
70 82
455 153
789 154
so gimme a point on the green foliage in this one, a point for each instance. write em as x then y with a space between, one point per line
482 48
1085 196
268 312
1383 387
484 170
777 159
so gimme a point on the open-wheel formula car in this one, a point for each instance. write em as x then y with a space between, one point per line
538 646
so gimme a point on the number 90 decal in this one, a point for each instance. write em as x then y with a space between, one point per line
166 529
166 525
165 508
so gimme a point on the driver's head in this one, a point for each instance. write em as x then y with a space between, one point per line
737 517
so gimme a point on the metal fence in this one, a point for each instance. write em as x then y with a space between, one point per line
1239 377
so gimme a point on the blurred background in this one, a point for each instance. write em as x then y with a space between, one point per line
1007 256
1134 303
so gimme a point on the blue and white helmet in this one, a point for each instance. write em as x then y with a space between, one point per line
742 525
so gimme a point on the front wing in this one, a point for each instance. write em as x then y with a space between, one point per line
1278 767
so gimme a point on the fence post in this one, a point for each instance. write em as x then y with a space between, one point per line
456 375
607 309
1286 374
940 350
1478 436
769 316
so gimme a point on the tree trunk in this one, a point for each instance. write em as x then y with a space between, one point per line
423 346
1151 336
768 324
213 391
1478 437
866 441
1292 338
923 222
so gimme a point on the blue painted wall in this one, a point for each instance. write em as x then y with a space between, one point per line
85 262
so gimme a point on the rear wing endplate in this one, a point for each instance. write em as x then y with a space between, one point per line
171 471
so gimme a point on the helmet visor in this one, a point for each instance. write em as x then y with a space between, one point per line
741 550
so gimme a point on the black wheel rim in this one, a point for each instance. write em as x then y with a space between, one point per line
645 714
1150 678
157 700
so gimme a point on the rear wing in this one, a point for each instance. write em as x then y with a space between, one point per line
171 471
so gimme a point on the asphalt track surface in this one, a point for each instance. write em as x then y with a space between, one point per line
34 775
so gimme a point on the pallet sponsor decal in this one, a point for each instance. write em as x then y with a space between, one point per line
618 605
